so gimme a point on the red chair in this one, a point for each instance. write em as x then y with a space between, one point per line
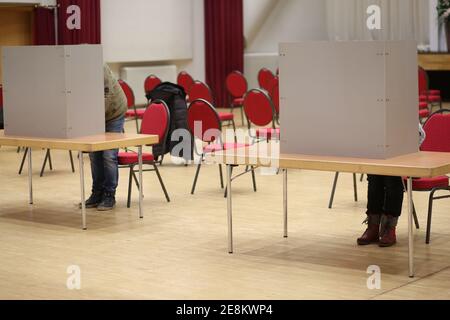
237 88
200 90
156 121
265 78
260 111
185 80
437 129
202 111
132 112
425 94
150 83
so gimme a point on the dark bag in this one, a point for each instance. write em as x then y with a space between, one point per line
175 98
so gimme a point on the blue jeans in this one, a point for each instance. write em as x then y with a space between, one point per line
105 164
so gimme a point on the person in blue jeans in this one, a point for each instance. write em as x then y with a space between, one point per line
104 164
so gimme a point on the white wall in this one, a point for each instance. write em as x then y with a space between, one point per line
269 22
193 63
43 2
283 21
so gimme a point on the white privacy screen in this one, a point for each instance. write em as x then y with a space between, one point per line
146 30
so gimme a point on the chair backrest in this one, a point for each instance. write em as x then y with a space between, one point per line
128 93
265 77
423 81
185 80
202 111
200 90
437 129
236 84
275 95
151 82
259 108
156 120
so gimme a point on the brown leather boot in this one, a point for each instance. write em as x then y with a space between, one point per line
388 236
372 234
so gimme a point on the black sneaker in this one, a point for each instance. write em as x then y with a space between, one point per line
94 200
108 202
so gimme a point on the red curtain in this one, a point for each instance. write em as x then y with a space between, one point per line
44 27
90 27
224 42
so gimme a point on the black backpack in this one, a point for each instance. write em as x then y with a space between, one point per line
175 98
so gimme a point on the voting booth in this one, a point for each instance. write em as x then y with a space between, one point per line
350 99
53 91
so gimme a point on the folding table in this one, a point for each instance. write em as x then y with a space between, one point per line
416 165
107 141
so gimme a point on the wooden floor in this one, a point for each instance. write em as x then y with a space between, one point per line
179 251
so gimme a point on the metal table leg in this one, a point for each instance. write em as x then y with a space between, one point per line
30 175
229 209
141 185
83 200
285 201
410 228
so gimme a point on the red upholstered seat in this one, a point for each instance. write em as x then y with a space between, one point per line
127 158
132 114
434 99
423 98
226 116
427 184
424 113
423 105
431 93
226 146
268 133
238 102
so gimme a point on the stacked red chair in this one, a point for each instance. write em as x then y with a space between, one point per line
237 88
265 78
185 81
150 83
427 95
200 90
132 113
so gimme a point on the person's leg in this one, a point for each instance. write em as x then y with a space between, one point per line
111 168
375 202
392 210
98 178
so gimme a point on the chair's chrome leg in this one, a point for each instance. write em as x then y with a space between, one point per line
71 162
254 179
30 176
196 177
162 183
130 186
47 157
333 191
23 161
355 187
430 214
221 177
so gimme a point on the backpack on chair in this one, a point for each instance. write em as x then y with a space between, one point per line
175 98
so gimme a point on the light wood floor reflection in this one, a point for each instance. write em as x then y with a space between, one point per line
179 251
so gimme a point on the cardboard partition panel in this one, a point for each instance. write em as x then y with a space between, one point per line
350 99
53 91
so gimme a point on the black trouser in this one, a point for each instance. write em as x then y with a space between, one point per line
385 195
